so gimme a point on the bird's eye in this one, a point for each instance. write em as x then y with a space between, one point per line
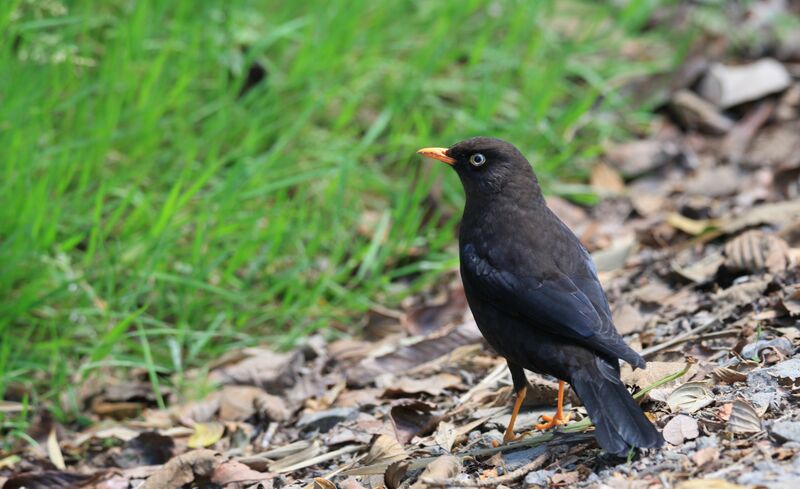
477 159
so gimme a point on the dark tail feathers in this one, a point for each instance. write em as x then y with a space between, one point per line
619 422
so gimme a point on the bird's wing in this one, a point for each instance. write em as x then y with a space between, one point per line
572 307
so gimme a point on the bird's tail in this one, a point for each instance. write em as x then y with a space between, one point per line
619 422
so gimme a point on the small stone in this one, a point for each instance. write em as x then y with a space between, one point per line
539 478
786 430
727 86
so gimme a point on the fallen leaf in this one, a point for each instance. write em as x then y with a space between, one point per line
445 435
444 467
310 451
412 419
206 434
606 179
184 469
433 385
690 226
240 402
627 318
321 483
384 449
54 451
779 344
756 251
395 473
681 428
568 479
49 479
704 270
743 418
653 372
729 375
233 472
148 448
705 455
411 355
261 367
791 300
709 484
690 397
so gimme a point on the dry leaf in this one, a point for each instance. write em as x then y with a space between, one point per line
606 179
702 271
690 226
681 428
310 451
240 402
756 251
184 469
433 385
412 419
705 455
446 435
653 372
444 467
408 356
708 484
320 483
690 397
48 479
393 477
791 300
384 449
206 434
54 451
743 418
627 318
233 472
729 375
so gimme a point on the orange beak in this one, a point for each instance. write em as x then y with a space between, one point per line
437 154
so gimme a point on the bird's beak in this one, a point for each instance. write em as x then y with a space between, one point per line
437 154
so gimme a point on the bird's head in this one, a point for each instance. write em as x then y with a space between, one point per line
487 166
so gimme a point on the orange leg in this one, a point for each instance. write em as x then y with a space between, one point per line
509 435
559 417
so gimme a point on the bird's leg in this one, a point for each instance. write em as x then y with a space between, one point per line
509 435
558 418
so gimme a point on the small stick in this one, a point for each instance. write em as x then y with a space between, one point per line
492 481
648 352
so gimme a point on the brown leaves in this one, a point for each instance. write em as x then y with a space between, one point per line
680 428
412 419
756 251
690 397
744 418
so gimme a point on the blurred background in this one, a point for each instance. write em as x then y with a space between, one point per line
183 178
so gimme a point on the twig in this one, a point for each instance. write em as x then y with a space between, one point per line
492 481
496 374
648 352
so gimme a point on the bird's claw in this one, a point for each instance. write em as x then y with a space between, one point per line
550 421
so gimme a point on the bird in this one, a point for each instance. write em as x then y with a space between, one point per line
534 293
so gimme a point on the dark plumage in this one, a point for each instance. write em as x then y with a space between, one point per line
534 291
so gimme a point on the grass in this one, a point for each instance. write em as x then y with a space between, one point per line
152 218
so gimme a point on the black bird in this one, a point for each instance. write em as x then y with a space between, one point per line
535 295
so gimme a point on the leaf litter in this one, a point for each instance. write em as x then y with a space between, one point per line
697 241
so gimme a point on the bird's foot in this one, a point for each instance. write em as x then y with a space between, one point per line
558 419
509 436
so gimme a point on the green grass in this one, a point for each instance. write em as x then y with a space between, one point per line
150 217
